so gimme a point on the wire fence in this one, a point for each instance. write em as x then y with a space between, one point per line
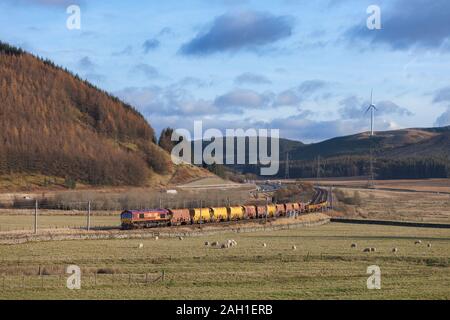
89 280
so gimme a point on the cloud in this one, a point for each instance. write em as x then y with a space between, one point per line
151 45
127 51
176 99
355 108
244 30
294 96
148 71
442 95
444 119
251 78
241 98
86 63
408 24
166 102
192 81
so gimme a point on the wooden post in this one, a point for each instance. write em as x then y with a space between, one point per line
36 217
89 217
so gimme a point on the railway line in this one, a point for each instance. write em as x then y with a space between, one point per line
166 217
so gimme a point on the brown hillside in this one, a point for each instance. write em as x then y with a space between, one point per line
55 124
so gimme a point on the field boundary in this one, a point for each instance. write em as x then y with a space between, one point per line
392 223
310 220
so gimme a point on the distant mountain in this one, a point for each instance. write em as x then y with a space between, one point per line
406 153
396 143
54 124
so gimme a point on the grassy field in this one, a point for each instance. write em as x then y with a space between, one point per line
26 222
323 266
396 205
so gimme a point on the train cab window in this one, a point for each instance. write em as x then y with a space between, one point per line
141 216
163 216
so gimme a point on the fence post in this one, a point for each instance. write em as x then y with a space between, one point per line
163 275
89 217
36 217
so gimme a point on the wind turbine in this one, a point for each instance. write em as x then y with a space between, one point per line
372 109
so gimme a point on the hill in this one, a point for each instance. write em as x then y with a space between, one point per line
55 125
406 153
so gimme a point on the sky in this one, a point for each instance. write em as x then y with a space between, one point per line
304 67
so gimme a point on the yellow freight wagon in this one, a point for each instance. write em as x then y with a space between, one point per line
236 213
202 215
219 214
271 210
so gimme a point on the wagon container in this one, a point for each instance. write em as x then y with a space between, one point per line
219 214
236 213
200 215
280 210
271 210
250 212
261 211
180 216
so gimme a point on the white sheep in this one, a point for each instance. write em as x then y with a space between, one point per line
207 244
373 249
294 248
265 245
395 250
418 242
141 245
215 244
180 238
429 245
156 238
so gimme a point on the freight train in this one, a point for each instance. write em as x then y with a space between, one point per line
134 219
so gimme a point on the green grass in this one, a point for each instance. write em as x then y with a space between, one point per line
26 222
323 266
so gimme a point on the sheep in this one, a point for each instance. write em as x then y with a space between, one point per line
418 242
367 250
429 245
373 249
156 238
180 238
224 246
265 245
215 244
395 250
207 244
294 248
141 245
354 245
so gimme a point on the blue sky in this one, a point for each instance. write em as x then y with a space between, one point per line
304 67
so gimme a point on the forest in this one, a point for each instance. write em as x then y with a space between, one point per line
56 124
